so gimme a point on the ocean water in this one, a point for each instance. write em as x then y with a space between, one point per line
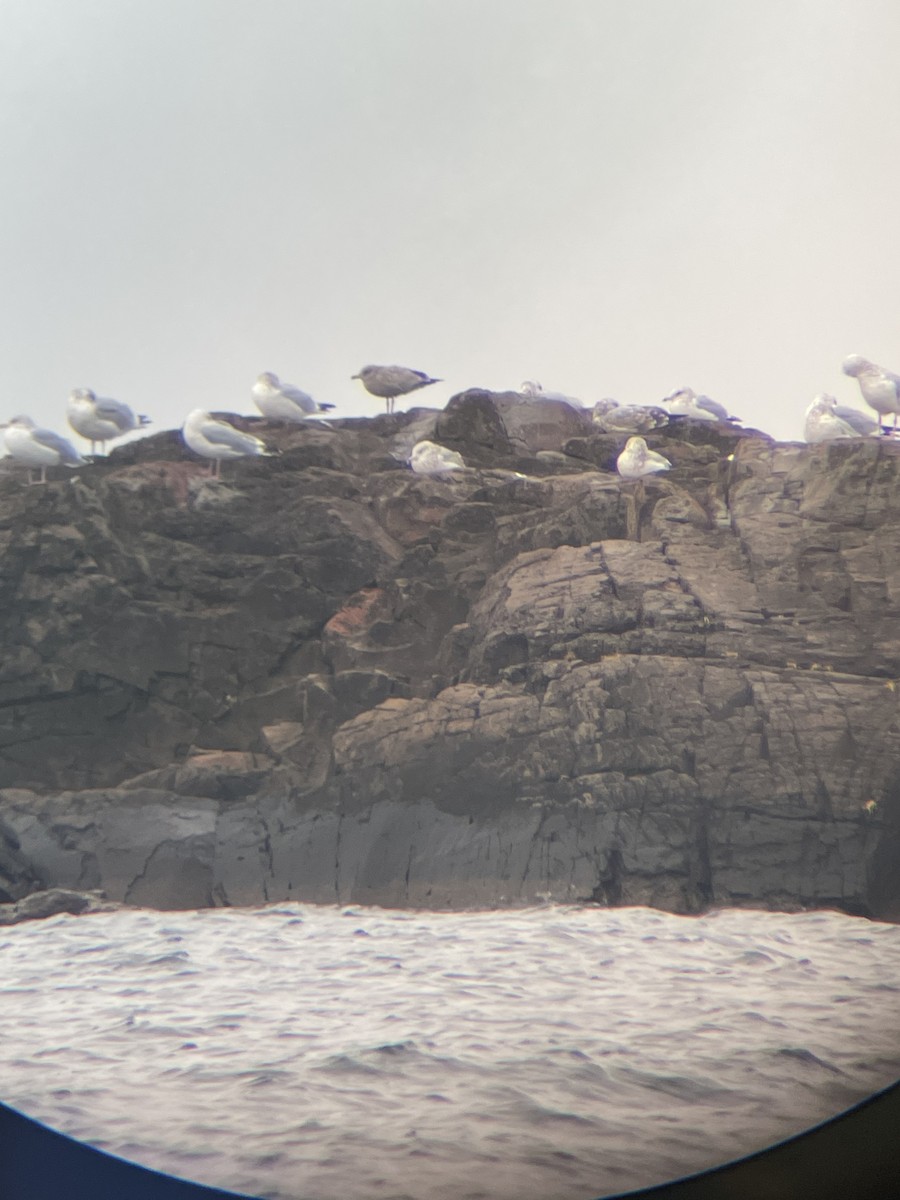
553 1053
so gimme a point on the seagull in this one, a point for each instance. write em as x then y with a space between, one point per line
609 416
636 460
39 447
535 391
686 403
217 439
818 430
390 382
282 401
824 422
99 419
428 458
880 388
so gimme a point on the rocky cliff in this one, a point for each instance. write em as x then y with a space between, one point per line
325 678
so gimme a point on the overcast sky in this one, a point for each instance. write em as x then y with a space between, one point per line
614 197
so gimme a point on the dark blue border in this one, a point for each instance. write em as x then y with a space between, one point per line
855 1156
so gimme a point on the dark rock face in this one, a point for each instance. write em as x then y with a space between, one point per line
325 678
50 902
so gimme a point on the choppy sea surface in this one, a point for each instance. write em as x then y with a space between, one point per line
554 1053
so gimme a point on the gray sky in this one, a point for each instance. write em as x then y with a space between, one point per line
614 197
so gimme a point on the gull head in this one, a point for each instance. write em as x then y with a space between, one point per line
82 394
855 364
821 404
682 400
269 378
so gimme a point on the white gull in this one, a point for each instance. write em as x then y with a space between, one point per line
535 391
685 402
283 402
636 460
39 448
428 458
217 440
99 418
880 388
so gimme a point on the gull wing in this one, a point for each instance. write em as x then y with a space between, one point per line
220 433
117 412
55 441
895 380
859 421
302 399
406 377
712 406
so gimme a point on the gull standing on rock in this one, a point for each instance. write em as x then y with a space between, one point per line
826 420
636 460
428 458
390 382
39 448
283 402
684 402
100 419
880 388
218 440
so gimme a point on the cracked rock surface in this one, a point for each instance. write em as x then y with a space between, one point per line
324 678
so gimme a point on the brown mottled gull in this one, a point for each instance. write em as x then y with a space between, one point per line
825 421
390 382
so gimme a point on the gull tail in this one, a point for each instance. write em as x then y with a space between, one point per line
142 420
